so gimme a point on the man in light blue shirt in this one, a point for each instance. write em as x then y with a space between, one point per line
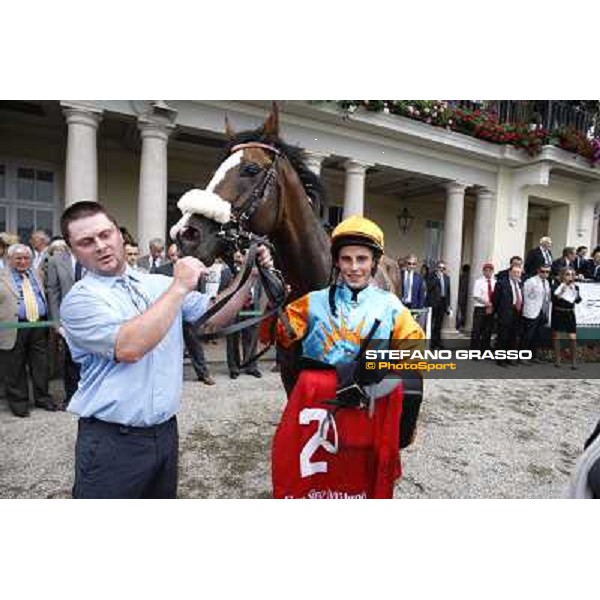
125 330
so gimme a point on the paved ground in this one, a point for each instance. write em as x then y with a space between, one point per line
477 439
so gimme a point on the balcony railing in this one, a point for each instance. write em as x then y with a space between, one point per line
572 125
552 115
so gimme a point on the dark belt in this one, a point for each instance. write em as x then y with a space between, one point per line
151 431
44 318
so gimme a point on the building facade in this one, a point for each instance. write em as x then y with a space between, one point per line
436 193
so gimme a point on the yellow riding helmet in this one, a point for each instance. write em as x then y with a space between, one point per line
357 231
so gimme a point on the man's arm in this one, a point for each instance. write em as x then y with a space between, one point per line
53 290
141 334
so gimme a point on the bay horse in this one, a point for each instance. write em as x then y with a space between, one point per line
272 193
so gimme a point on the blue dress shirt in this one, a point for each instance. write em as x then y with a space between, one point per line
146 392
39 297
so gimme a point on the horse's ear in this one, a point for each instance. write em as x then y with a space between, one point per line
271 126
229 132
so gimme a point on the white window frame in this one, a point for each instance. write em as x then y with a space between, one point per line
12 203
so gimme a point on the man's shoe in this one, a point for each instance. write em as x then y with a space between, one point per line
537 361
19 411
207 380
511 363
255 373
502 363
234 374
50 406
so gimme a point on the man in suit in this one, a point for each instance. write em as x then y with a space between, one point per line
536 309
593 267
191 338
581 260
22 300
412 286
538 256
63 272
508 305
566 260
39 241
155 259
438 297
515 261
132 255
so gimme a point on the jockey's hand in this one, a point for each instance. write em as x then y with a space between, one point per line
187 271
263 257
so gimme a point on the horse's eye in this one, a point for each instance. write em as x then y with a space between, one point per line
190 234
250 170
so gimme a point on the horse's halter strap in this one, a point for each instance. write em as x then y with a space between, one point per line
242 214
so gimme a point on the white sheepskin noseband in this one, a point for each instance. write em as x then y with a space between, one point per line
207 203
204 203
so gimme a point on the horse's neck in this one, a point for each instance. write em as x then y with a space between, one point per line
301 241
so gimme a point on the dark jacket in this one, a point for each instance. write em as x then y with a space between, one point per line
591 272
535 259
418 289
434 298
503 299
558 264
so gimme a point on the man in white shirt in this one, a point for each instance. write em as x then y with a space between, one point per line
536 309
483 311
39 241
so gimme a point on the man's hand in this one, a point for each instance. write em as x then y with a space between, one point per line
187 271
263 257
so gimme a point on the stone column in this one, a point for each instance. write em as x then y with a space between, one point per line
354 197
452 247
152 198
81 169
314 161
587 219
482 242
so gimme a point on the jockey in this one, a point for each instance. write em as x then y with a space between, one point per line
330 325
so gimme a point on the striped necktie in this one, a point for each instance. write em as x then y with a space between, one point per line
139 299
32 312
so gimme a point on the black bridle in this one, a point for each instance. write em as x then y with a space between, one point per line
241 215
235 234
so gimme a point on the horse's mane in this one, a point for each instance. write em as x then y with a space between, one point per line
310 182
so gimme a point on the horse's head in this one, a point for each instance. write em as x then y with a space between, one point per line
243 196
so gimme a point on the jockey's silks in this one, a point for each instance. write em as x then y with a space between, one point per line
352 455
336 338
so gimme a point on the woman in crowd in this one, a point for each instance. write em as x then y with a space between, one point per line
564 299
